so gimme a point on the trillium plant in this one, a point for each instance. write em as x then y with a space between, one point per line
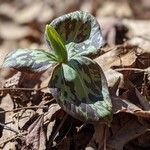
77 83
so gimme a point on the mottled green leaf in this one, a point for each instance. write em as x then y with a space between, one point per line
29 60
81 90
57 44
81 33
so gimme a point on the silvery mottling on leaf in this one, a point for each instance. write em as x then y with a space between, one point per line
78 83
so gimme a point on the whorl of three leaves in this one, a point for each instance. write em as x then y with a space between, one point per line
78 83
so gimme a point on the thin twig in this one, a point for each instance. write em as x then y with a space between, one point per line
23 108
81 127
13 137
130 69
8 128
24 89
65 135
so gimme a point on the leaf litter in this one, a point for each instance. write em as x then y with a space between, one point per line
28 107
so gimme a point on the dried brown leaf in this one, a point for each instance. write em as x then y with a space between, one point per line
129 131
99 138
117 56
53 109
112 77
121 105
64 145
143 60
36 136
143 101
9 145
139 29
144 140
141 42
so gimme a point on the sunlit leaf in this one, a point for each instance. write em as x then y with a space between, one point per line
81 90
29 60
56 43
81 33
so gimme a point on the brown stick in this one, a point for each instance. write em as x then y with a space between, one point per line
24 89
130 69
29 107
8 128
13 137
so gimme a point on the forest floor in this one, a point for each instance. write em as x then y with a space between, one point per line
30 118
